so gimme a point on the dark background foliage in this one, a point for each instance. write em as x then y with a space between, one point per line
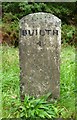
12 12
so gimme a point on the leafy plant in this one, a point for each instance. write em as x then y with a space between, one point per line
68 32
37 108
40 107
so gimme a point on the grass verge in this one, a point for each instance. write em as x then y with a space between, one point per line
11 104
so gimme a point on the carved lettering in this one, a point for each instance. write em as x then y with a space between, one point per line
55 32
48 31
41 32
31 32
36 32
24 32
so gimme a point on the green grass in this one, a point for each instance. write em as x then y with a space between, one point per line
0 82
11 104
67 78
10 81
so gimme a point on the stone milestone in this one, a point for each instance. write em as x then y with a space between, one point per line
39 53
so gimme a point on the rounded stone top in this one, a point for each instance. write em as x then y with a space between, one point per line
39 17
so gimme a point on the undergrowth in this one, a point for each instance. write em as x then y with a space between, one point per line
31 107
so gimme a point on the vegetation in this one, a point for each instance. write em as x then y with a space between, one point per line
41 107
14 11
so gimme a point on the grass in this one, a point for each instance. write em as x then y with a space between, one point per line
11 104
67 78
10 82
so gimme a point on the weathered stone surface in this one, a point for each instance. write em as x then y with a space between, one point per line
39 48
